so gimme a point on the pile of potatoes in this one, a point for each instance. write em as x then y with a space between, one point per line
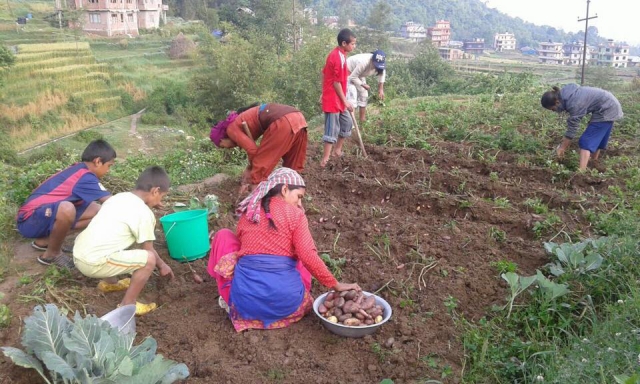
351 308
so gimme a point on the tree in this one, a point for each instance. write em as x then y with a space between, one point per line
380 17
6 61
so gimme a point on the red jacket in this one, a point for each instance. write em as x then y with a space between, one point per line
335 71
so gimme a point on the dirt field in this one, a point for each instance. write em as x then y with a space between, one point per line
420 227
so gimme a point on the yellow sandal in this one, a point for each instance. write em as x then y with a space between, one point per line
121 285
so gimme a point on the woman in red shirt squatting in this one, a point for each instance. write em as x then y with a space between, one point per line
264 270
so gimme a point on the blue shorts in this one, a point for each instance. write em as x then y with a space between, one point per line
596 136
336 124
41 221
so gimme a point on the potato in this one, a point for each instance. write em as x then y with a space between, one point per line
330 296
322 309
350 295
360 316
337 311
350 307
339 302
333 319
378 319
344 317
368 322
368 303
328 303
351 322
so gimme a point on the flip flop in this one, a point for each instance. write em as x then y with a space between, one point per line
61 260
41 248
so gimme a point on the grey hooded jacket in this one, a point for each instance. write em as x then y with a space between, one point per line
579 101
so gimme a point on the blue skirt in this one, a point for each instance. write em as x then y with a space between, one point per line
266 288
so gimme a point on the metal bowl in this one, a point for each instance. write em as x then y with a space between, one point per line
123 319
360 331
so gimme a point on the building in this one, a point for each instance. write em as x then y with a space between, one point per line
413 31
331 21
633 61
528 51
573 53
504 42
440 34
551 53
451 54
474 47
613 54
311 15
120 17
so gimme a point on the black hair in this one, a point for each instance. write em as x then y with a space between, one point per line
99 149
152 177
240 110
345 35
550 98
275 191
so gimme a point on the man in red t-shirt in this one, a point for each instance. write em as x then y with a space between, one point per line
337 121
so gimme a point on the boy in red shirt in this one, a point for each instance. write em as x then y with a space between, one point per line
337 121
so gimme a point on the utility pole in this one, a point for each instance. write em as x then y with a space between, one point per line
584 50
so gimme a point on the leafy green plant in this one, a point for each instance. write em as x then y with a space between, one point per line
451 303
504 266
574 258
517 285
89 350
501 202
210 203
544 226
5 316
497 235
536 205
334 265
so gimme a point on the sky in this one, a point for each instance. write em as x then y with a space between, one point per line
617 19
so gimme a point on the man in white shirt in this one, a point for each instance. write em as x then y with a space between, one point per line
360 66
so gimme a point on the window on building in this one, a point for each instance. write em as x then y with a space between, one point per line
93 1
94 18
113 1
130 17
114 18
121 18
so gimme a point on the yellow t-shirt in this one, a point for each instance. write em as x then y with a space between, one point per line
124 219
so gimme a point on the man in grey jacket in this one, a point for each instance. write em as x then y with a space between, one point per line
579 101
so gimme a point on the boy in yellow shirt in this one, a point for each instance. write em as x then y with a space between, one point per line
101 250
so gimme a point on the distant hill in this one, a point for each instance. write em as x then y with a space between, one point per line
469 19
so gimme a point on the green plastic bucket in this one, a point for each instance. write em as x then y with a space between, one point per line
187 234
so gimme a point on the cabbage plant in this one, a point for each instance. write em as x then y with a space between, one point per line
89 350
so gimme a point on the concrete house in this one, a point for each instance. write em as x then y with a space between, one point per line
120 17
413 31
474 47
551 53
613 54
440 34
573 53
504 42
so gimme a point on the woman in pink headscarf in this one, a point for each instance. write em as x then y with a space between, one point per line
264 270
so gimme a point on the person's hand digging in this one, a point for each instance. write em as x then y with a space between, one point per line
165 270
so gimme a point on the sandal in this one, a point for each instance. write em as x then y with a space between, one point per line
121 285
61 260
223 304
44 248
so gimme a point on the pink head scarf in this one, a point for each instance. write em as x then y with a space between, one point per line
219 131
251 205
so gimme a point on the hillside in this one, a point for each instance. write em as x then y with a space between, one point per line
469 19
